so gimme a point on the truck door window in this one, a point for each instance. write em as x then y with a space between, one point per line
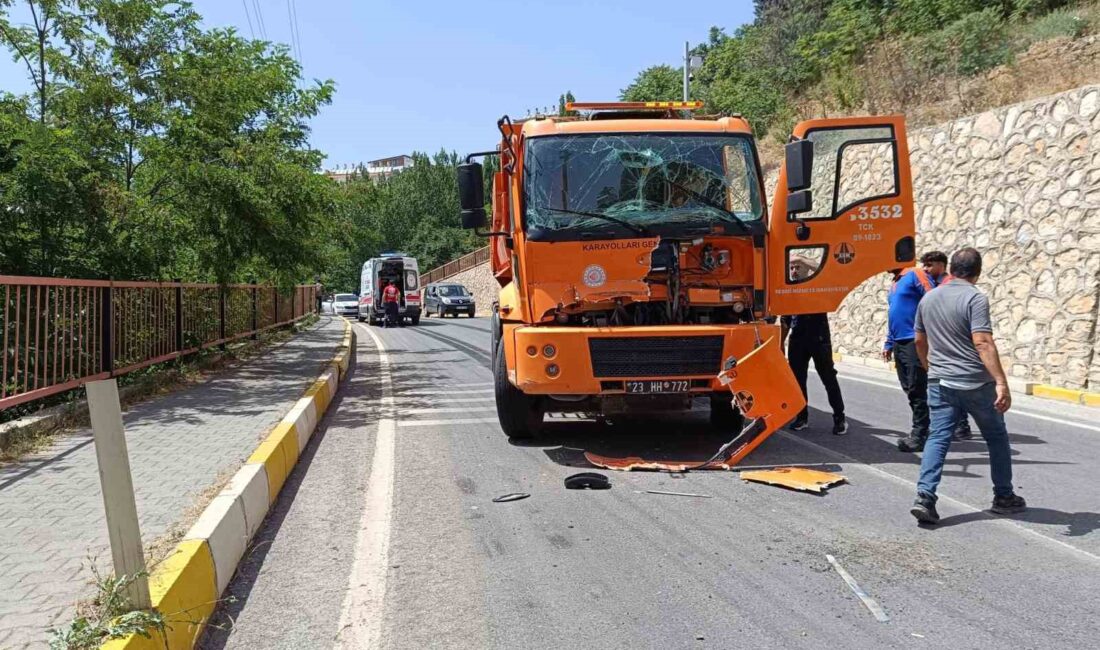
851 166
804 262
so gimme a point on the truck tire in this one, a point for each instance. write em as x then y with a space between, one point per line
415 319
520 415
724 416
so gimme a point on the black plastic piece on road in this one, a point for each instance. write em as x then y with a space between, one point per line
514 496
587 480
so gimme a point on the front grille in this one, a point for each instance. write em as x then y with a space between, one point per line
665 356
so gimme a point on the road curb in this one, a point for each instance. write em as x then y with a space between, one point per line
185 587
1034 389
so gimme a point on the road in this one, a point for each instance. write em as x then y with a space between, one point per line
387 536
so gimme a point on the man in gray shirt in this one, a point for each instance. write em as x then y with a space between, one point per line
954 339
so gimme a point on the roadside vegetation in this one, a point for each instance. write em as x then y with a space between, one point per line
149 147
931 59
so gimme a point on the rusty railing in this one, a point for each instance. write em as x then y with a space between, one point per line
454 267
59 333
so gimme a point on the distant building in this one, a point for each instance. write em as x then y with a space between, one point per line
377 169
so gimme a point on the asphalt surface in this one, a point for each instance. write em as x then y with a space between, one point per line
622 568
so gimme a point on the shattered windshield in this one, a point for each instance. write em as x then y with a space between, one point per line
621 185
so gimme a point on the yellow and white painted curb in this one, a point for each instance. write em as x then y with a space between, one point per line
1017 385
185 587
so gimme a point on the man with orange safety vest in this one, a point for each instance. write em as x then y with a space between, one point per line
906 291
391 300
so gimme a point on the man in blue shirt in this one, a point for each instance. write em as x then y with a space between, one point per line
909 286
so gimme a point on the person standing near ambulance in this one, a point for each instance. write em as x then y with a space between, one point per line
391 300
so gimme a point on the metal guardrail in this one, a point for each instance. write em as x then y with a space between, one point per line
59 333
454 267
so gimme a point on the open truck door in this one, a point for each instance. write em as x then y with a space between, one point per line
842 212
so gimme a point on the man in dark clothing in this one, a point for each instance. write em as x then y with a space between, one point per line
954 337
807 337
906 291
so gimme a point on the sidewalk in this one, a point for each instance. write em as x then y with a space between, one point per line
51 508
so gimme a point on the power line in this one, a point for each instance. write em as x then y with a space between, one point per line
247 17
297 30
295 42
260 18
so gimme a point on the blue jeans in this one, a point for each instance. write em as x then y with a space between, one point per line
943 403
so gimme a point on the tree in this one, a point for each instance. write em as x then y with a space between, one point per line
151 148
654 84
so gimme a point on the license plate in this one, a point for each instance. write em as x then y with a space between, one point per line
658 386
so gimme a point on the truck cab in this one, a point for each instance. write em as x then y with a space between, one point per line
637 255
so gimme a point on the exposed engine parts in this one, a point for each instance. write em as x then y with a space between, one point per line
686 283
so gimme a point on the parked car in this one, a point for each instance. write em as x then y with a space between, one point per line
445 298
345 304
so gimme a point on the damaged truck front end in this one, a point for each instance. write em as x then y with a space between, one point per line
639 271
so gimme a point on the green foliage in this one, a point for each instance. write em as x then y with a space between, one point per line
109 616
797 51
415 211
1057 24
660 83
976 42
151 148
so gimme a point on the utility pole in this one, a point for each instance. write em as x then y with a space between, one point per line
687 70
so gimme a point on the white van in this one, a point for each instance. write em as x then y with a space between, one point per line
377 271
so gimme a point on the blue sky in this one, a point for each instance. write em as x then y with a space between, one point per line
425 74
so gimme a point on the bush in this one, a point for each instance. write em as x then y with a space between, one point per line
1054 25
976 42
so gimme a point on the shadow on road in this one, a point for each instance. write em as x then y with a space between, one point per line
1077 523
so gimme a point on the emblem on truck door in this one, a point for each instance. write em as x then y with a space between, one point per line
844 254
594 276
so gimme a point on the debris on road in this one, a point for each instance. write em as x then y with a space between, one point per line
513 496
587 481
876 610
679 494
796 478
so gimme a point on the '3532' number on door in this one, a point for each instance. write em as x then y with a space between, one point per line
877 212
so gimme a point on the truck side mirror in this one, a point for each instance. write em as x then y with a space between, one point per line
799 164
800 201
471 195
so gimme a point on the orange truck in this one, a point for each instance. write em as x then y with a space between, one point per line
640 267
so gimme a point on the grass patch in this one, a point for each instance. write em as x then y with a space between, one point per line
107 615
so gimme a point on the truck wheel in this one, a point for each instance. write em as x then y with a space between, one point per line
520 415
415 319
724 416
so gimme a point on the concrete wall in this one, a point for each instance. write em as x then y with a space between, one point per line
1022 184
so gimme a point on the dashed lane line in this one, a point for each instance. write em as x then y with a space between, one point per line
439 423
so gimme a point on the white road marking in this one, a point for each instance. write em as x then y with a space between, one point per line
439 423
363 607
910 484
1014 411
464 409
443 390
466 400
